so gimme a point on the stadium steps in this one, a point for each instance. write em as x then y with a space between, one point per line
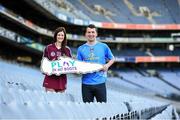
142 114
33 103
141 72
136 13
170 84
151 20
68 110
168 113
59 110
169 10
33 96
131 8
133 83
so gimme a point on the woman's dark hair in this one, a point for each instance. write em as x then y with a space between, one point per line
64 42
60 29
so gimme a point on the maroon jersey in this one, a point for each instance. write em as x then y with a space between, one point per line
55 82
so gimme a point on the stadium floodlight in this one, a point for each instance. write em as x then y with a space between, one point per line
171 47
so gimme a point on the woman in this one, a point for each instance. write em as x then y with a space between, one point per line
52 51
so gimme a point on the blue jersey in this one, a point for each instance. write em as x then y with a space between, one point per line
97 53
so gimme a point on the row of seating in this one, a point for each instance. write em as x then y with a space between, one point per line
23 97
121 12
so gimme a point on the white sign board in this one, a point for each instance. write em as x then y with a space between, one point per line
66 65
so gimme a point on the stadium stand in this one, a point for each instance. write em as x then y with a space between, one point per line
17 101
142 84
125 11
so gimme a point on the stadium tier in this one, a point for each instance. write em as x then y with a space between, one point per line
143 35
123 11
22 97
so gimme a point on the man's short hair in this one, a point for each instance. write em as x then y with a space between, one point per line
91 26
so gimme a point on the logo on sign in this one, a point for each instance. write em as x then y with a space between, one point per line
63 65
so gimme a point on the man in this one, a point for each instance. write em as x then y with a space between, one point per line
93 84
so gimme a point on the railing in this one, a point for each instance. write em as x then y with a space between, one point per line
143 114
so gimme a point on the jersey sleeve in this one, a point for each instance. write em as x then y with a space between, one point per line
79 56
109 55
